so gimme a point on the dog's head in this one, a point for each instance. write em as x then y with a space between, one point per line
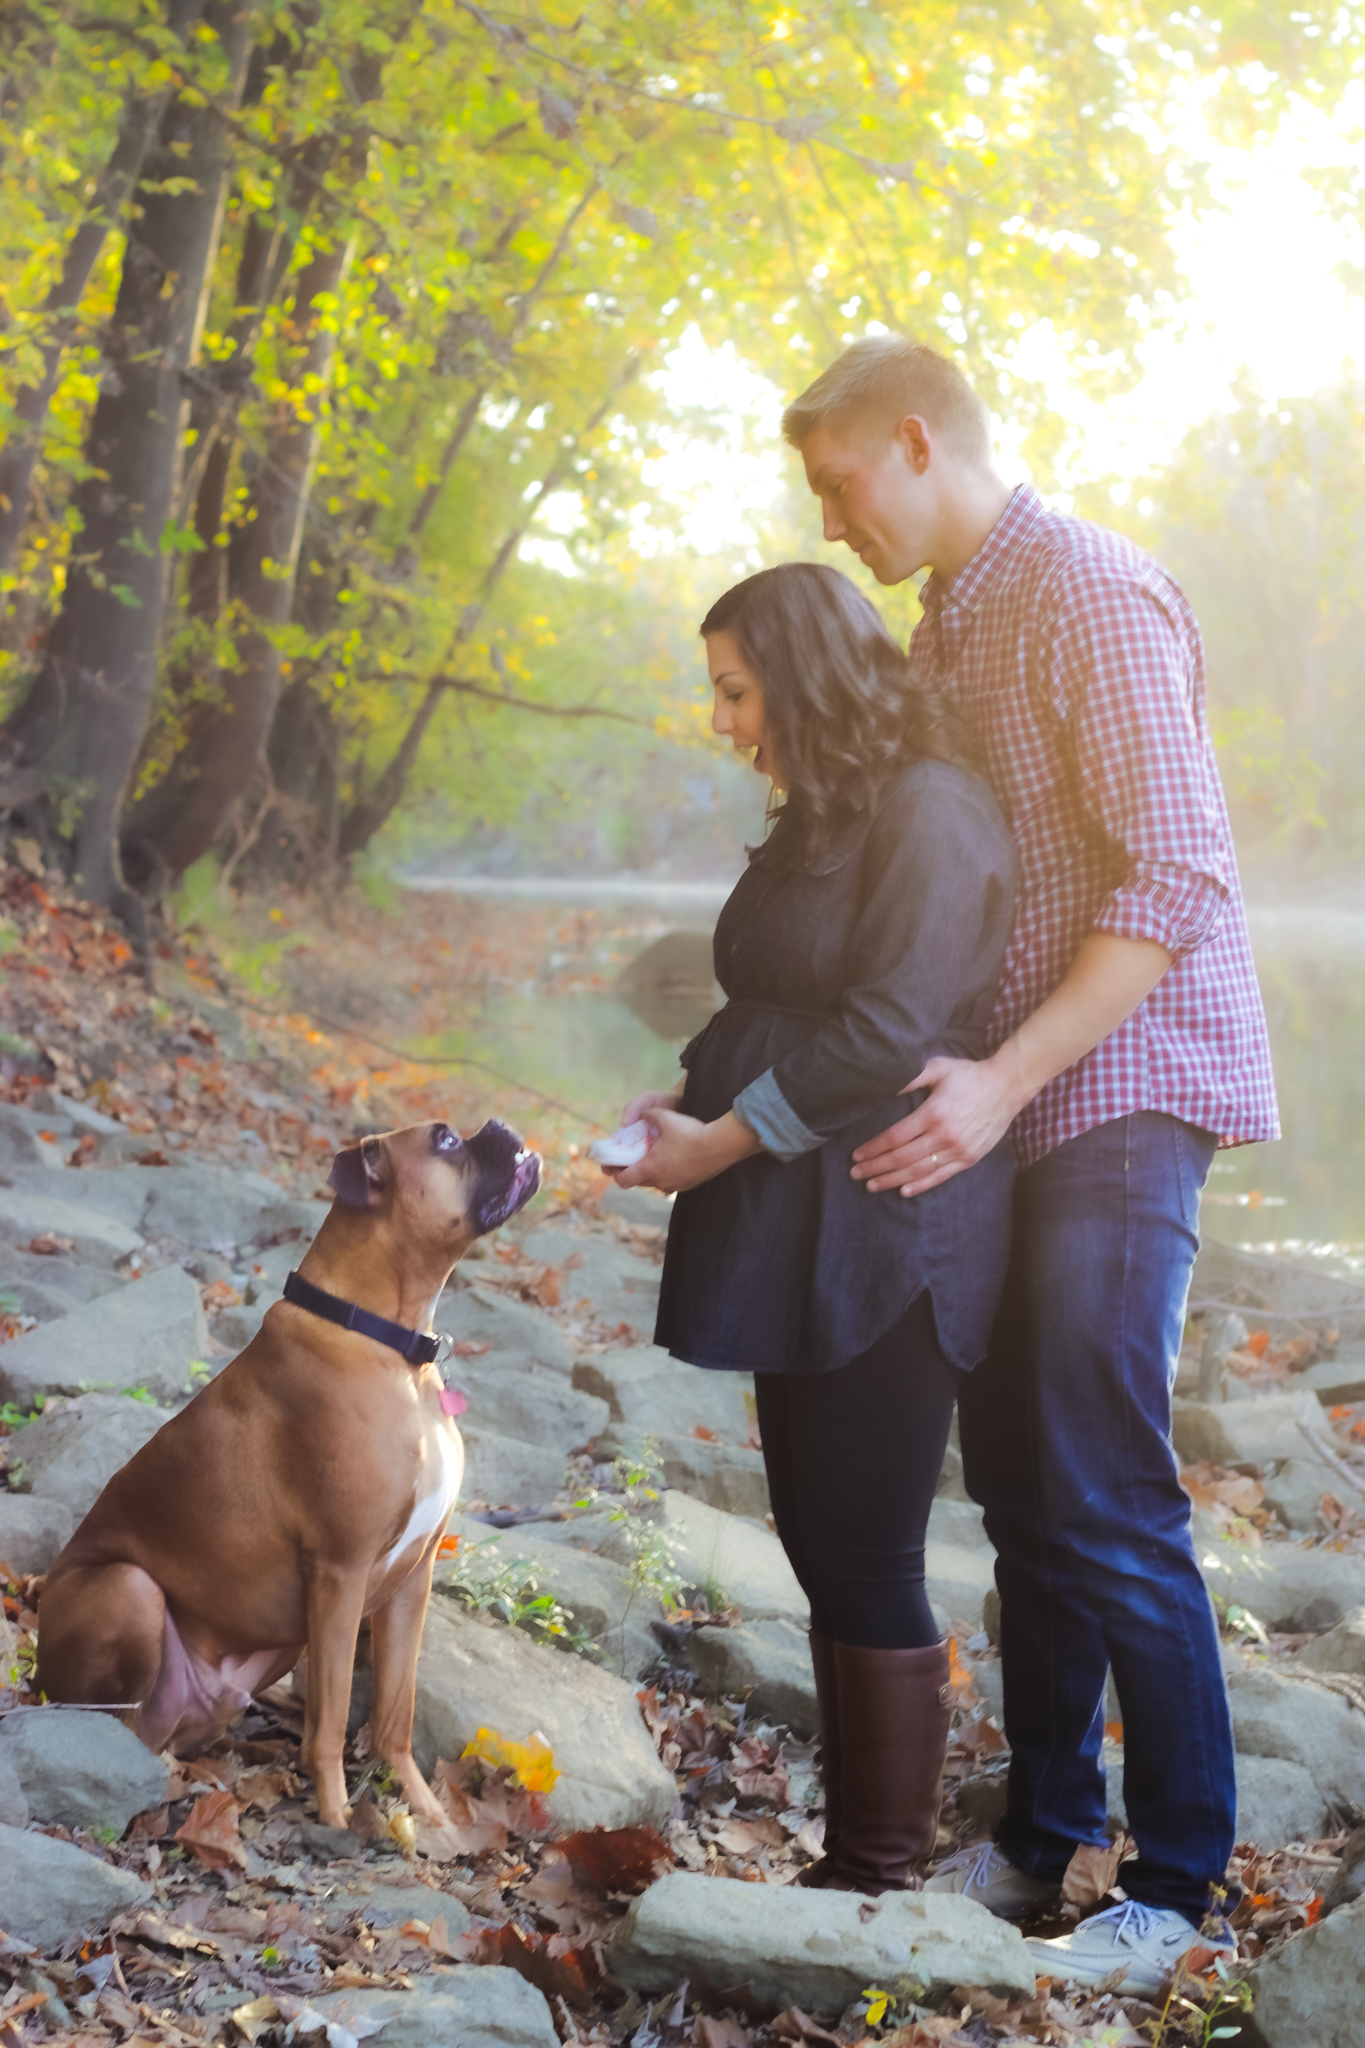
441 1190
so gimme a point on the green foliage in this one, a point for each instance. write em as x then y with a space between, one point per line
651 1561
509 1588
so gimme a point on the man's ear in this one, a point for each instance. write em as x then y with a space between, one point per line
357 1173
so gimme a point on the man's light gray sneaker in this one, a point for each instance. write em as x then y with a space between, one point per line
1146 1943
985 1873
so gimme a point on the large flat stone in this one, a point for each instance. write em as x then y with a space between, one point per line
1284 1711
649 1392
531 1402
1277 1801
474 1674
724 1475
1294 1590
957 1581
727 1555
636 1205
472 1314
600 1596
147 1335
30 1210
766 1663
49 1286
1251 1432
72 1452
198 1205
1249 1280
1341 1649
1337 1381
28 1140
1308 1992
507 1473
81 1769
815 1949
50 1892
14 1807
32 1532
463 2007
1296 1493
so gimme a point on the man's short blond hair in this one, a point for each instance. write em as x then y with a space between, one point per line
882 380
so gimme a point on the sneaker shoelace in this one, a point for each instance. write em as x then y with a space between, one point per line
1132 1922
977 1862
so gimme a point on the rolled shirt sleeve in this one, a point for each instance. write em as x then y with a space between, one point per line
924 954
1120 676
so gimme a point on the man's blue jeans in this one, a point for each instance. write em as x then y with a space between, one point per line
1066 1444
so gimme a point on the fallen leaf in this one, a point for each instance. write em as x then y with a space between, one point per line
212 1832
795 2025
714 2030
467 1347
707 1436
552 1963
1093 1868
745 1835
367 1823
533 1760
619 1859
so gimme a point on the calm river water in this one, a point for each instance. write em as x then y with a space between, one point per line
572 1034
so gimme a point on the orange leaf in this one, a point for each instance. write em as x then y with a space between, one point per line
447 1546
708 1436
1114 1730
211 1832
1256 1343
617 1859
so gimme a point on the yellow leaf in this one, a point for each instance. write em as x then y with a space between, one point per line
877 2002
532 1760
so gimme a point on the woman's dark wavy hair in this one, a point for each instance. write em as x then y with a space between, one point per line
841 707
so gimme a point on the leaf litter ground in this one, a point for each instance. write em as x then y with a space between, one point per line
256 1909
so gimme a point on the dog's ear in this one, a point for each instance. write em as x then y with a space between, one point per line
357 1172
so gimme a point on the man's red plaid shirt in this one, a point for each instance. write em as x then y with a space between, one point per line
1077 665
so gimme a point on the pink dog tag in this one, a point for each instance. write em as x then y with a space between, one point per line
452 1402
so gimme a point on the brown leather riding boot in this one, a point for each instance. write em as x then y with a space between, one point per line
831 1761
895 1707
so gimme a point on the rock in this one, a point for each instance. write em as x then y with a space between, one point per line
1251 1432
389 1905
983 1800
990 1617
957 1581
1307 1992
14 1807
767 1663
114 1141
30 1211
1341 1649
1277 1801
815 1949
725 1475
236 1327
533 1403
599 1276
507 1473
197 1204
50 1287
470 2006
1295 1591
471 1314
959 1522
276 1217
1348 1880
22 1147
81 1769
731 1559
649 1392
72 1452
1338 1381
1296 1491
637 1205
600 1596
474 1674
147 1335
32 1532
1290 1713
950 1478
51 1892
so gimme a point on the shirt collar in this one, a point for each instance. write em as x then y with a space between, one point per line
975 580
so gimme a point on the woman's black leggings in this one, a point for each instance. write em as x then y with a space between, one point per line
853 1459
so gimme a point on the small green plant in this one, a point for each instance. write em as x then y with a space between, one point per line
651 1561
14 1417
511 1589
142 1394
200 1372
1231 2001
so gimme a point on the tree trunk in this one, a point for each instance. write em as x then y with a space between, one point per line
367 814
60 308
189 809
85 718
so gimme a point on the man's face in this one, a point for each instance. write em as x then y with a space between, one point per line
877 492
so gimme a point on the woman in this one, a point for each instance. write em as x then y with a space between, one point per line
866 936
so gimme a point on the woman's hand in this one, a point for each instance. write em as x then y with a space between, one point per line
686 1151
650 1098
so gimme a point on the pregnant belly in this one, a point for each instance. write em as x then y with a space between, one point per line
739 1044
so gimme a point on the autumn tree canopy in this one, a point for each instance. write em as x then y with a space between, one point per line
308 311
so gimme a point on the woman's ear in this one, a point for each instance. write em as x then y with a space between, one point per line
357 1173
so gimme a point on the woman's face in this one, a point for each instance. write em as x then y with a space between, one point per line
738 715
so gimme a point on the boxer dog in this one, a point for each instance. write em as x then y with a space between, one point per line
303 1490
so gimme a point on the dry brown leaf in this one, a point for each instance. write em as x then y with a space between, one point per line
743 1835
713 2030
1092 1870
617 1859
212 1832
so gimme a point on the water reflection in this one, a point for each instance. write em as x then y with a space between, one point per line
624 992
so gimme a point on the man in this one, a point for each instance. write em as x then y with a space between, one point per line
1130 1044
